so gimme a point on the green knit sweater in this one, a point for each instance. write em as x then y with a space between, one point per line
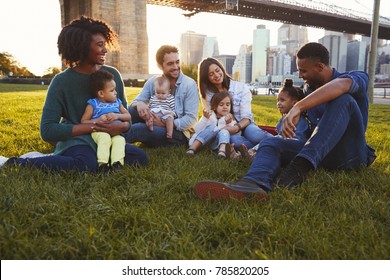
65 104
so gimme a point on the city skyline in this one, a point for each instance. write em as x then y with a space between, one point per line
261 63
32 41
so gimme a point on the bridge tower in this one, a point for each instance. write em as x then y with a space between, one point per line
128 19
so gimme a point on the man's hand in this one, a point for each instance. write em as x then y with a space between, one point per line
289 122
143 111
112 128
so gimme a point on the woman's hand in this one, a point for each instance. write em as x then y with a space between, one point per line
232 129
112 128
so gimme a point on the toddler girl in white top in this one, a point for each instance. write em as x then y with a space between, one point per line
217 119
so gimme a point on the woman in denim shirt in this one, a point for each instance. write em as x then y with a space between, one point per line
213 79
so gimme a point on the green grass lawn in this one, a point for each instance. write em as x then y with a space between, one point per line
153 213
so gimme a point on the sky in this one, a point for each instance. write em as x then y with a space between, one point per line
31 34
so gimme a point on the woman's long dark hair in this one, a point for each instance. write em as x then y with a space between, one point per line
203 76
75 38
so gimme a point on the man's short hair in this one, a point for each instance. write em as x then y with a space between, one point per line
165 49
314 51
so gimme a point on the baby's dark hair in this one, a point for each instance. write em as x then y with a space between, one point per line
217 98
98 81
294 92
75 38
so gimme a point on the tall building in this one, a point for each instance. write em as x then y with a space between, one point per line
293 37
191 47
242 67
385 70
383 59
336 43
356 55
210 47
227 62
278 61
260 45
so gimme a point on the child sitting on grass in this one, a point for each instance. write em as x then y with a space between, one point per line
213 123
288 95
106 107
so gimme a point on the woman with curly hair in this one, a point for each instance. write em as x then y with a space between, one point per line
83 45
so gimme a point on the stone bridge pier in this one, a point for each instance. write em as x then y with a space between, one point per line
128 19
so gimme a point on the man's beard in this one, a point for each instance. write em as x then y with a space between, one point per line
314 85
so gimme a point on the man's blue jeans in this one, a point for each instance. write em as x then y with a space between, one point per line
139 132
338 142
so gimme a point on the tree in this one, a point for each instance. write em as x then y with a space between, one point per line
190 70
51 72
9 64
6 60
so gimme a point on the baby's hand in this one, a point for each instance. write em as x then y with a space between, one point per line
112 116
103 118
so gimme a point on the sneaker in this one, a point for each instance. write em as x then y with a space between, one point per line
295 173
3 160
104 168
242 189
34 155
116 166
